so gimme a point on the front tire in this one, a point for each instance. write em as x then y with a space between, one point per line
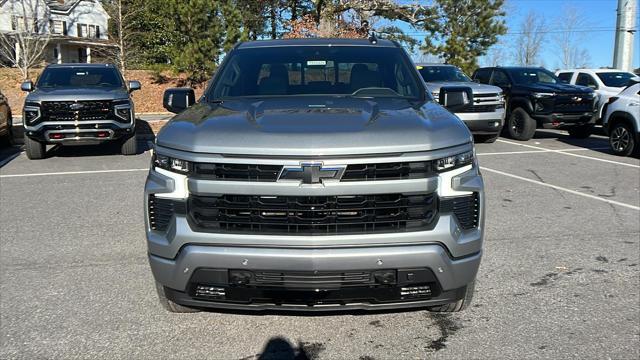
170 305
581 132
130 145
35 150
486 139
622 140
458 305
520 126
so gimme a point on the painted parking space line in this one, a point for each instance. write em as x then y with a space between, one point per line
73 173
593 197
570 154
539 151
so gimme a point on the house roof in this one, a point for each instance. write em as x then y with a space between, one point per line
62 6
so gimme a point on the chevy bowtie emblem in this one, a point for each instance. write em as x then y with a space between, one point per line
312 172
576 99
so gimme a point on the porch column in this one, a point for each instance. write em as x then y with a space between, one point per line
59 53
88 55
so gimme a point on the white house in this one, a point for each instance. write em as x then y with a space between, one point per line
75 27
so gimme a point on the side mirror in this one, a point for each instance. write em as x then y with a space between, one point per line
134 85
178 99
455 98
27 86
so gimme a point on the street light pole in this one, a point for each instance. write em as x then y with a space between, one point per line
625 31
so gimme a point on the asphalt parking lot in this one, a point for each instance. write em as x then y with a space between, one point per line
560 275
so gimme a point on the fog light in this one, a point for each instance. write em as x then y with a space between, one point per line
494 123
416 291
210 291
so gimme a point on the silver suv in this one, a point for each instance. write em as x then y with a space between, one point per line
315 174
485 117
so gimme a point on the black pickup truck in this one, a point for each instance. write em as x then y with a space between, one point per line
79 104
536 98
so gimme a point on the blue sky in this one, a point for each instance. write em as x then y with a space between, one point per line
598 14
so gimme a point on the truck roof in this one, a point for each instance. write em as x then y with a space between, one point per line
316 42
67 65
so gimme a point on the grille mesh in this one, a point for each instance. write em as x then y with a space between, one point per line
313 215
91 110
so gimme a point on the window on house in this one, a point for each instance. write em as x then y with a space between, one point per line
20 23
93 31
57 26
82 30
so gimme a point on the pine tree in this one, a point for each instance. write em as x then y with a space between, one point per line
464 30
199 30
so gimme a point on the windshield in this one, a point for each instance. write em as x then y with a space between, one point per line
533 76
80 77
615 79
442 73
358 71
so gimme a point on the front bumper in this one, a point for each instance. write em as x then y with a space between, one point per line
484 123
80 131
565 120
453 275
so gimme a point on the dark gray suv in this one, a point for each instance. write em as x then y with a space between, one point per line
79 104
315 174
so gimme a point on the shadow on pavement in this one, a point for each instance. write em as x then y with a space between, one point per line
8 153
280 348
596 142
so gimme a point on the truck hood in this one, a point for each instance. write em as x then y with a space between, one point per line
557 88
313 126
77 94
475 87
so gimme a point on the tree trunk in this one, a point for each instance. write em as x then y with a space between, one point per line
121 38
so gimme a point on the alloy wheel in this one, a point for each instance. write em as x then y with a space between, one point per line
620 139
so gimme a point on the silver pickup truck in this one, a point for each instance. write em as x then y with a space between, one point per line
485 117
315 174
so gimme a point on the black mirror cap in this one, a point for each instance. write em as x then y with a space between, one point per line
455 98
27 86
177 100
134 85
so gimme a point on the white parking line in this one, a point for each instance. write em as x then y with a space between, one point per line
539 151
72 173
570 154
593 197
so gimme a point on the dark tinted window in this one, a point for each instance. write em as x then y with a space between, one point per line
532 76
565 77
80 77
482 75
500 78
442 73
306 70
615 79
586 80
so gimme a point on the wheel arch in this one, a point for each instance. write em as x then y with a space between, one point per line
623 117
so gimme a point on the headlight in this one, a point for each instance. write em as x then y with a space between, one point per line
541 95
454 162
31 114
123 111
171 164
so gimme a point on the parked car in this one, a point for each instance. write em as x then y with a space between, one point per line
6 120
536 98
605 82
315 174
79 104
622 121
486 116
